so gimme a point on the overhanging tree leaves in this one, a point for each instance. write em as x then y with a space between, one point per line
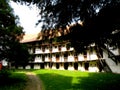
100 18
63 12
10 33
101 29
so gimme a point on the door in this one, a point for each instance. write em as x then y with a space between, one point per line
86 65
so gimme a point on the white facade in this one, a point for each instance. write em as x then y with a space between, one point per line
60 56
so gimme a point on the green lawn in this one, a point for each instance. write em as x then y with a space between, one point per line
64 80
15 81
76 80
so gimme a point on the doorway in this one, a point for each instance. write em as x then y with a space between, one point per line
86 65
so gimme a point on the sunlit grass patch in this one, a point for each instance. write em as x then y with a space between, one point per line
76 80
64 80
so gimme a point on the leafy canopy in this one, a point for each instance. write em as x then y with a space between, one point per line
64 12
100 19
10 33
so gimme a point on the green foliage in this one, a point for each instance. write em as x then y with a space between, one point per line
19 54
100 19
4 74
64 12
10 35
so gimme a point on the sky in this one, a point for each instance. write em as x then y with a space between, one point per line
29 15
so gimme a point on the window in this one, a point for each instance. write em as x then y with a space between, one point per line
85 54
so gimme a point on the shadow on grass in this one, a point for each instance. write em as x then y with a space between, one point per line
94 81
55 81
15 81
98 81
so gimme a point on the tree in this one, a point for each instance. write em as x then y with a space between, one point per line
18 54
10 34
100 19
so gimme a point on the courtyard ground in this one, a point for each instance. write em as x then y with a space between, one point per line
34 83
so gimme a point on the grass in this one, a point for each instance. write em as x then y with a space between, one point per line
15 81
64 80
76 80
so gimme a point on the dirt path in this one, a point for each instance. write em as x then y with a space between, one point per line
33 82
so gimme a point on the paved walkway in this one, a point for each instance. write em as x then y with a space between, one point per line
33 82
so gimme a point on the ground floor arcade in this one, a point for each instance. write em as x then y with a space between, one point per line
92 66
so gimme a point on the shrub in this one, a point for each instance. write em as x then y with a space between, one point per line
4 75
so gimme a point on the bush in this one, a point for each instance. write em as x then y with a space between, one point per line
4 75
